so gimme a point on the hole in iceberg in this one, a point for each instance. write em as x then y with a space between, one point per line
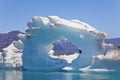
64 49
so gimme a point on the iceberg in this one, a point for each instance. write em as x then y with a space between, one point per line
47 39
11 56
55 44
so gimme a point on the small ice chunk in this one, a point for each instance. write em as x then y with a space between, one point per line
67 68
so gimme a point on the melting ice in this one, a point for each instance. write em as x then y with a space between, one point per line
52 44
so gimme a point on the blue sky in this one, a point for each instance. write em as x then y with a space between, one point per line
102 14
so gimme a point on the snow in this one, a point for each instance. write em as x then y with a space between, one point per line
68 58
56 21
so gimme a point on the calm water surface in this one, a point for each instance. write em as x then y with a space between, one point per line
28 75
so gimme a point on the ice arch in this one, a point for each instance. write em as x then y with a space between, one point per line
42 32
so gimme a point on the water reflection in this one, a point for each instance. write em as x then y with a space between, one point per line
70 76
11 75
27 75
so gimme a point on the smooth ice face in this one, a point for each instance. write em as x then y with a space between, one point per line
39 50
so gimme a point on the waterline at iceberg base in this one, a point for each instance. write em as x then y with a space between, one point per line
54 44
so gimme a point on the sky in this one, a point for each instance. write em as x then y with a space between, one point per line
104 15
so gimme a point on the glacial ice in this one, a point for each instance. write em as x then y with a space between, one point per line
45 48
54 44
11 57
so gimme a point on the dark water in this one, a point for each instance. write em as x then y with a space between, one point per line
28 75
